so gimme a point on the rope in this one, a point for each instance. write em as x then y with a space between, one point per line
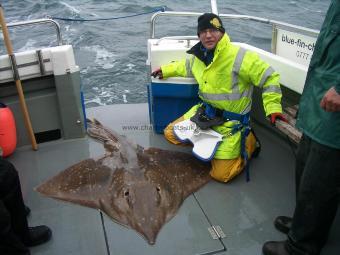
162 9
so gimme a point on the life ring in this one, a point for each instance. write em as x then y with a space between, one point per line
8 133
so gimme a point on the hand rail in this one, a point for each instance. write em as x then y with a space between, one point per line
186 37
274 23
39 22
306 31
170 13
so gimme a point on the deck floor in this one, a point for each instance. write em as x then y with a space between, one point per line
244 211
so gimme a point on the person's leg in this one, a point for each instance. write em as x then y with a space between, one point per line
301 159
169 132
225 170
317 198
284 223
11 196
9 241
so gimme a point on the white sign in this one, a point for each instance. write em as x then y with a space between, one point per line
296 47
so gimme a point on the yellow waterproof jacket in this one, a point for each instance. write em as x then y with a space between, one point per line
227 84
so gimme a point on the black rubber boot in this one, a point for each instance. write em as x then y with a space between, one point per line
283 224
275 248
10 243
37 235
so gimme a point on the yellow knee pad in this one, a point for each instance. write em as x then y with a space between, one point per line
169 132
224 170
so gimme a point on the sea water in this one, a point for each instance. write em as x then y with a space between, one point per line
112 54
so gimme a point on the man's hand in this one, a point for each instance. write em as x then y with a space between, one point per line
157 73
275 116
331 101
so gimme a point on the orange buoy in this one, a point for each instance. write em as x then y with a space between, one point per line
8 133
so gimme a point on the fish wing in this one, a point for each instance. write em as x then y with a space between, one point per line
83 183
182 168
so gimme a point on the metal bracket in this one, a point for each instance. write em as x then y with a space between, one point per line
216 232
14 67
7 68
41 62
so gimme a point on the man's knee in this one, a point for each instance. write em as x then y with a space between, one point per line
224 170
169 132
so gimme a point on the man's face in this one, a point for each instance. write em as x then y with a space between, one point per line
210 37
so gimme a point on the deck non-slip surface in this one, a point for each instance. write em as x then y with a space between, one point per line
76 229
244 211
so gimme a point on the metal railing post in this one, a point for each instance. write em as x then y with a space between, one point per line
214 8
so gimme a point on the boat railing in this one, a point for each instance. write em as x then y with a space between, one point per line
40 22
275 24
187 38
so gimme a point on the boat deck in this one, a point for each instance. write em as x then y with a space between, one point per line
244 211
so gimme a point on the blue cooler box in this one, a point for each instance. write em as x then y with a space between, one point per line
169 101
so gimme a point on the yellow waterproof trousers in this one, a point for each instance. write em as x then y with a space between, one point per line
221 169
